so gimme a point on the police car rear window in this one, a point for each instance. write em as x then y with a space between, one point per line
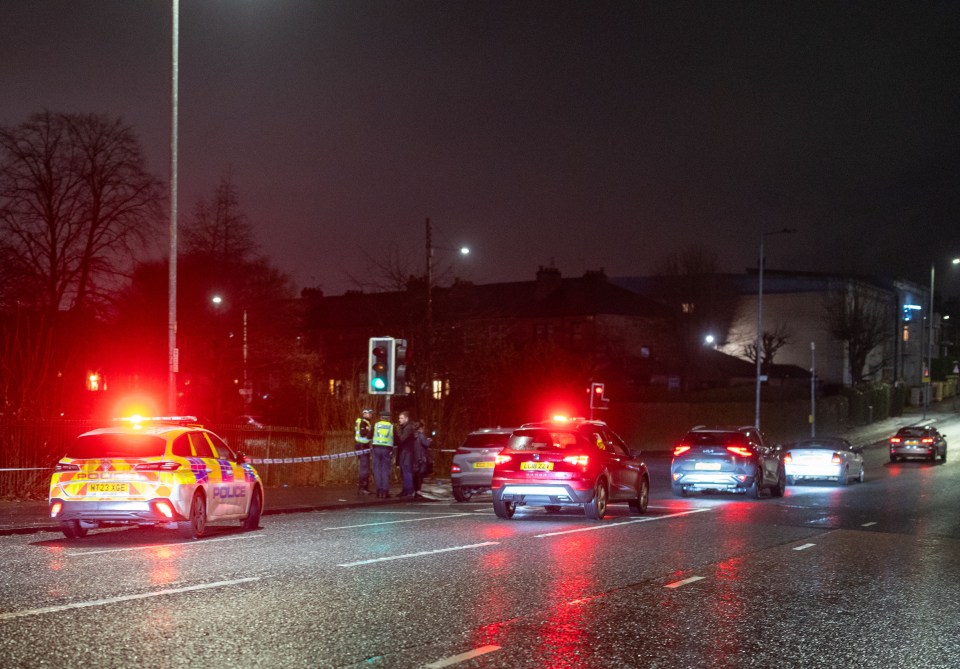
117 446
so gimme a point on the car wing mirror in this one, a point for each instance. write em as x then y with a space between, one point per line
241 457
635 452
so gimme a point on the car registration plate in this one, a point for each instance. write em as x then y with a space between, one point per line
483 465
108 488
708 466
536 465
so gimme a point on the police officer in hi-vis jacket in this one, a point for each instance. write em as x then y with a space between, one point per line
362 436
382 451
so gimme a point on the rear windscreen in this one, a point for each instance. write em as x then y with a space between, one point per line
117 446
485 440
912 432
538 440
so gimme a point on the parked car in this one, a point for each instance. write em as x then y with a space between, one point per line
918 441
726 459
825 458
568 463
472 468
153 472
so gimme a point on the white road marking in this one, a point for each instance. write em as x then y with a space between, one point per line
677 584
420 554
462 657
869 524
393 522
803 547
610 526
145 548
123 598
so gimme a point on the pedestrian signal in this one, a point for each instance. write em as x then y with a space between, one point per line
380 366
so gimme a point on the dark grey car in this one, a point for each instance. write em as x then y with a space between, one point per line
721 459
472 468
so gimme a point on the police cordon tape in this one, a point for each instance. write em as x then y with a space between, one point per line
254 461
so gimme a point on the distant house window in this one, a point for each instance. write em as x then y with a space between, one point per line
644 351
906 333
687 307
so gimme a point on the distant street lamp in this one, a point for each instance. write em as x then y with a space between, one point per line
246 391
758 345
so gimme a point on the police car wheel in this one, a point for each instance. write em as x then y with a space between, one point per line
72 529
252 521
196 524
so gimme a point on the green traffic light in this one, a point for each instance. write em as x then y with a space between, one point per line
379 384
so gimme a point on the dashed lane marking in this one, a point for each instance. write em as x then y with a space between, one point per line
462 657
803 547
610 526
123 598
686 581
204 542
394 522
420 554
870 524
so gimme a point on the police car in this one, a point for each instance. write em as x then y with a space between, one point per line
154 471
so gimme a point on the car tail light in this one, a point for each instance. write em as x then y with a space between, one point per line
164 508
835 459
157 467
894 440
926 440
502 459
742 451
787 458
680 449
66 467
577 460
55 509
454 469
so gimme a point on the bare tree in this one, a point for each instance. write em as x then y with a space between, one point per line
859 317
220 229
772 341
76 205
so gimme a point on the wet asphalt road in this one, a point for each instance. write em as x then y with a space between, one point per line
862 576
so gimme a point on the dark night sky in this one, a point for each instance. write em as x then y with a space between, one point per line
580 134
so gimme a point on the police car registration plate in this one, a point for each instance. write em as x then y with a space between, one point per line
108 488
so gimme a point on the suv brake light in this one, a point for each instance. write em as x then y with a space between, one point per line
500 459
680 448
157 467
742 451
577 460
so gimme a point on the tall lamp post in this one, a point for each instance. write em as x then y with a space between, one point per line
463 250
927 379
758 345
172 357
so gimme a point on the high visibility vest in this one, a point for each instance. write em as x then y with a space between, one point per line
356 431
383 434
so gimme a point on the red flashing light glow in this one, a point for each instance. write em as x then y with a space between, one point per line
680 449
741 451
559 418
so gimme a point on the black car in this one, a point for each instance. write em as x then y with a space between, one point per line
727 459
918 441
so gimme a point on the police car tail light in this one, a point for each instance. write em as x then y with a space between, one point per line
502 459
164 508
157 467
66 467
742 451
835 459
455 469
55 509
577 460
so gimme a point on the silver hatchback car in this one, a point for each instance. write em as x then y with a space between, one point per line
472 469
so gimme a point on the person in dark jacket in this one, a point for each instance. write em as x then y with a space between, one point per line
362 436
423 460
405 437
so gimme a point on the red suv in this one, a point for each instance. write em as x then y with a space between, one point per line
575 462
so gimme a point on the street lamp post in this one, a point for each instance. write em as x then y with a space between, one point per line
429 335
927 380
758 344
172 361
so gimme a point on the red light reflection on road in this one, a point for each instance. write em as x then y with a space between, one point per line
56 558
727 608
165 570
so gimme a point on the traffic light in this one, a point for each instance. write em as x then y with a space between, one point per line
400 367
380 370
597 400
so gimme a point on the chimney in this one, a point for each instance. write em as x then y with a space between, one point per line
548 280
